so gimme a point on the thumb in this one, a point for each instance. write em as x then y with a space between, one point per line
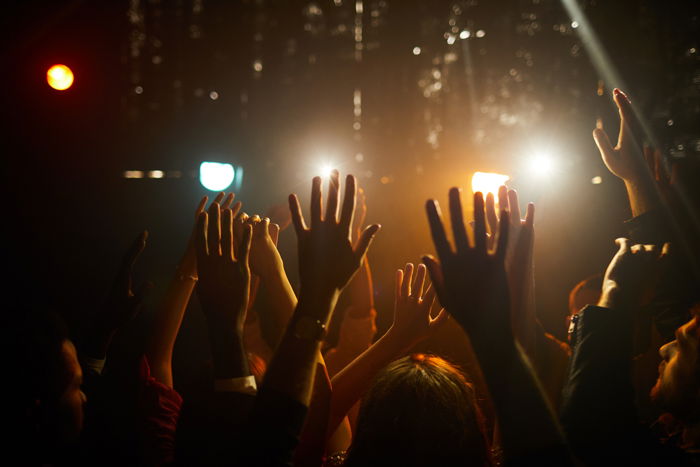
623 244
365 240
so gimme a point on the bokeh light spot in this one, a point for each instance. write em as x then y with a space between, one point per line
216 176
59 77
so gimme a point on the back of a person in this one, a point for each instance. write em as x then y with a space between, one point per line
420 411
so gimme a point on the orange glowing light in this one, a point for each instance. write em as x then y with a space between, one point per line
59 77
488 182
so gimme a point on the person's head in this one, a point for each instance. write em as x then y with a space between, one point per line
677 389
420 410
51 398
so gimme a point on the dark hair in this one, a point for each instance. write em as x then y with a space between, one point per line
420 410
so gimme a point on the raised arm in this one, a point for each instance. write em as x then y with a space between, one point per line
598 411
327 261
169 314
121 306
412 324
358 326
472 285
626 160
223 290
267 264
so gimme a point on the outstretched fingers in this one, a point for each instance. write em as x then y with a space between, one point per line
333 194
514 207
316 202
408 278
419 283
479 223
227 235
349 201
297 216
491 216
503 232
214 229
244 249
437 229
457 218
365 241
436 277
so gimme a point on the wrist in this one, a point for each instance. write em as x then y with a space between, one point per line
614 298
640 197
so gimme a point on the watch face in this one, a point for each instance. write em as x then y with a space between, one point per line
309 328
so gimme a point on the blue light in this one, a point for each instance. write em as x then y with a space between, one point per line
216 176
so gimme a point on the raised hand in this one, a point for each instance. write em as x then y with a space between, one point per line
470 280
413 322
123 303
518 262
264 256
188 264
625 159
121 306
631 276
224 277
358 220
327 257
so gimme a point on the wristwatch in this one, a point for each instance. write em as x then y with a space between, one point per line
309 328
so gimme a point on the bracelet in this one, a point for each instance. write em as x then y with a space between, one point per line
183 277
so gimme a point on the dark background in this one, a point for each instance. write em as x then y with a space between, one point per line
141 101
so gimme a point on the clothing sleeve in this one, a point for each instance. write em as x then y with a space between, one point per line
598 412
160 410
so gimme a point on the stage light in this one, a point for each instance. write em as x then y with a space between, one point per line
59 77
542 164
487 182
464 34
156 174
416 51
216 176
324 171
133 174
597 180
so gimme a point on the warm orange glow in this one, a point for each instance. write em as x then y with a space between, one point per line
59 77
486 182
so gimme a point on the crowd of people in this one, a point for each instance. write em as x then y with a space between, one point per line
281 396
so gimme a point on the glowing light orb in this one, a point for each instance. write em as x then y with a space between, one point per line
59 77
216 176
324 171
487 182
542 165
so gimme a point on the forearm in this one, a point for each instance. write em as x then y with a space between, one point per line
291 371
527 424
350 384
281 299
642 198
167 325
228 352
361 292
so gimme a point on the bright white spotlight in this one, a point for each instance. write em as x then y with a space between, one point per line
486 182
216 176
324 171
542 165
